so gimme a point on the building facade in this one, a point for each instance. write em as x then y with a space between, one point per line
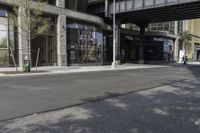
159 42
176 28
54 49
193 47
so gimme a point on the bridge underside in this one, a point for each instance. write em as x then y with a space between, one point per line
162 14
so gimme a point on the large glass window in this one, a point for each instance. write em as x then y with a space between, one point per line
162 27
4 53
7 47
3 33
85 44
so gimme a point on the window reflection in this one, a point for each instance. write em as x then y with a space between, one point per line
4 54
6 39
3 36
85 45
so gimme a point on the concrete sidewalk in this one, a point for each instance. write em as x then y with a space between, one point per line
78 69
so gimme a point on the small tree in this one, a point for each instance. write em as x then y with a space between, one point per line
185 40
3 43
33 23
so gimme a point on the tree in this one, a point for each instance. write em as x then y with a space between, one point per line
3 43
185 39
33 22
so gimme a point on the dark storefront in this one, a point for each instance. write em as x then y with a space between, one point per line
47 45
154 50
85 45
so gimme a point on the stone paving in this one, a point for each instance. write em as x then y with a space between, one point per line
171 108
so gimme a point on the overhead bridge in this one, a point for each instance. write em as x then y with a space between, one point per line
150 11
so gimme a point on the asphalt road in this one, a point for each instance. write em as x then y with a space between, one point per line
21 96
168 109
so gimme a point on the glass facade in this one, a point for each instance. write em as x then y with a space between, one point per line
167 48
168 27
7 47
85 44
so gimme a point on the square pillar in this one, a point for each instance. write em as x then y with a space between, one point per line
60 3
24 50
118 42
142 41
176 43
176 50
61 41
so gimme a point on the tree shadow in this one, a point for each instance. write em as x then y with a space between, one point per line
193 68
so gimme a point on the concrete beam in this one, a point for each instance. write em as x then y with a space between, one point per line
59 9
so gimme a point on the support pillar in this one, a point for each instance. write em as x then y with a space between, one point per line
176 50
60 3
106 8
142 41
61 36
118 42
24 51
176 43
116 50
61 41
114 65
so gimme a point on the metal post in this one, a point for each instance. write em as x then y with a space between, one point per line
114 35
185 54
38 54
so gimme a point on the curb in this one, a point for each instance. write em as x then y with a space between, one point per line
80 71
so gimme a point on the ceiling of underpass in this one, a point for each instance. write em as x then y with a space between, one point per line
169 10
162 14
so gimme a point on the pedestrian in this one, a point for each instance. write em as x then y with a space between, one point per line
183 58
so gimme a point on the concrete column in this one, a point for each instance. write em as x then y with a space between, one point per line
142 41
22 38
61 36
60 3
176 43
61 41
185 25
176 50
118 41
106 8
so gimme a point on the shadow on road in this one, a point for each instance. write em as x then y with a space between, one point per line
169 109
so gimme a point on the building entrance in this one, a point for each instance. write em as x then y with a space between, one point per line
47 56
46 42
128 52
